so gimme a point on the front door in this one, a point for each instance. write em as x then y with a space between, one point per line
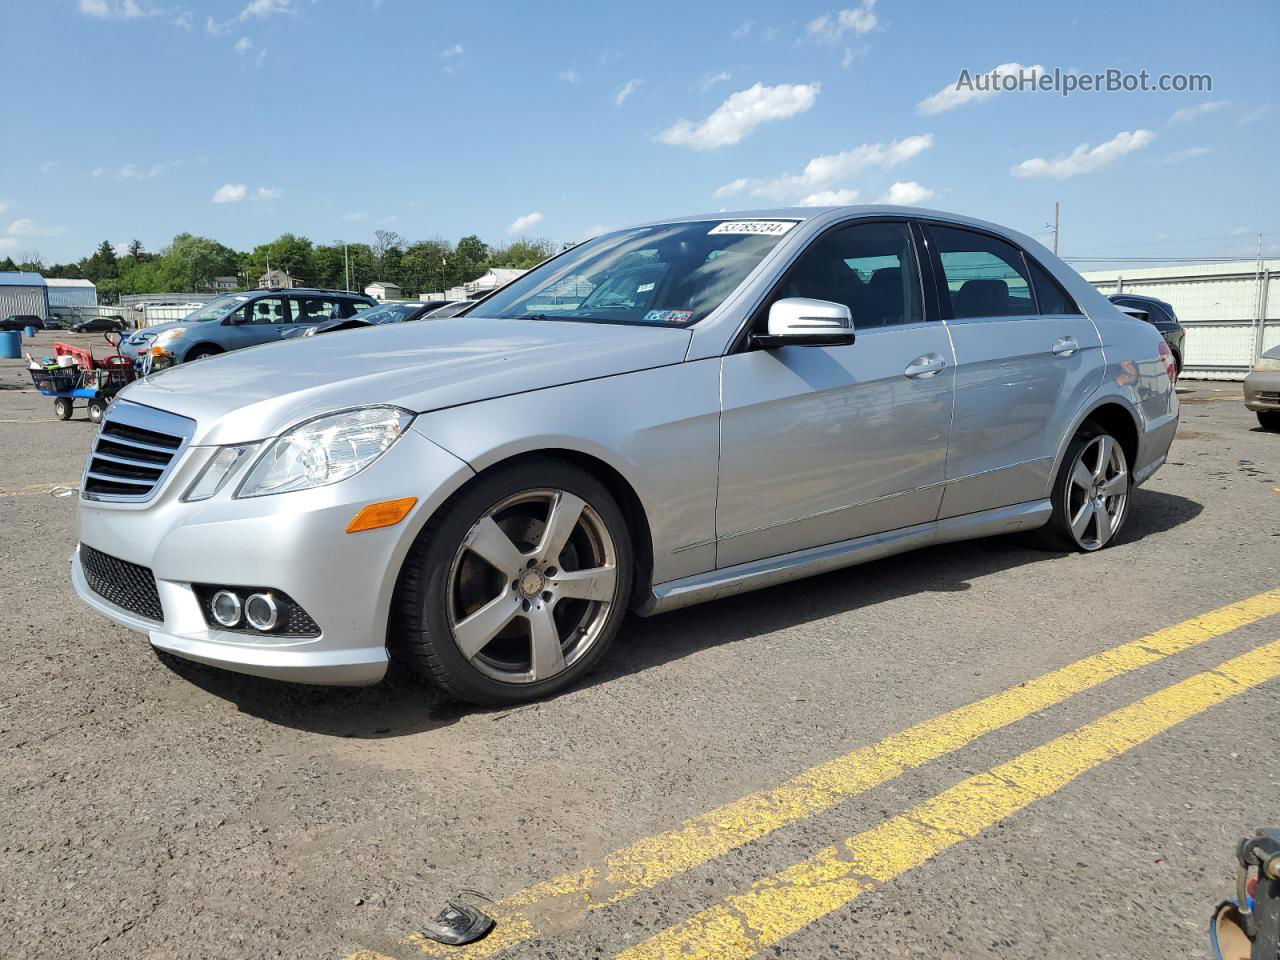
265 319
822 444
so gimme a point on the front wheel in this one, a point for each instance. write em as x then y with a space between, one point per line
202 353
62 408
1268 420
515 590
1090 494
96 410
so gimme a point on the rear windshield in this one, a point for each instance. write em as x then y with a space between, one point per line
666 275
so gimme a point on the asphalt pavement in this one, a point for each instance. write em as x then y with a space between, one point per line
977 750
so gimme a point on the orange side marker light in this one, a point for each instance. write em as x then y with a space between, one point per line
378 515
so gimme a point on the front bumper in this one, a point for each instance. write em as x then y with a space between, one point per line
1262 391
293 542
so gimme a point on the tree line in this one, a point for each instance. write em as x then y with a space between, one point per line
190 263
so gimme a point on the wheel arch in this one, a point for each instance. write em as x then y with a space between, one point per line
203 344
1117 417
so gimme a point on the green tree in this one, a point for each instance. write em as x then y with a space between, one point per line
8 266
289 252
190 263
523 254
101 264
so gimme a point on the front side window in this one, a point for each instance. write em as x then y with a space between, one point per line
216 309
985 276
869 267
671 274
267 310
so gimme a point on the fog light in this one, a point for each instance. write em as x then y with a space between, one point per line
226 608
261 612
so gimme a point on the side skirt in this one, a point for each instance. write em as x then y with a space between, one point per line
771 571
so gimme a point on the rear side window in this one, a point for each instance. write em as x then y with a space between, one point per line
314 310
985 276
1052 297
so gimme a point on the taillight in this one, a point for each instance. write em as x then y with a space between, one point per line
1170 367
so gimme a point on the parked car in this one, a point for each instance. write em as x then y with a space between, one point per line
662 415
1262 389
20 321
385 313
1160 315
243 320
96 324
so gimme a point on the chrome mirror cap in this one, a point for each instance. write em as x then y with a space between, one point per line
801 322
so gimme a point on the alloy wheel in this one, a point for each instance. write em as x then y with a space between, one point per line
531 586
1098 492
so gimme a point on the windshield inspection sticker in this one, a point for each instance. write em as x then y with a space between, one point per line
765 228
667 316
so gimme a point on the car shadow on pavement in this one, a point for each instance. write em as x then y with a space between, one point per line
402 705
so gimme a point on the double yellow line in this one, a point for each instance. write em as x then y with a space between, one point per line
777 906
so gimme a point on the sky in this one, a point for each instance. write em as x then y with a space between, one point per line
244 119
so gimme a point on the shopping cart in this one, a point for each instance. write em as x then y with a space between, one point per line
96 382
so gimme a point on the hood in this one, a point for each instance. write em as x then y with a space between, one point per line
255 393
158 328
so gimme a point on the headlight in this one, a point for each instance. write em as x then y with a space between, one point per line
325 450
1267 363
172 334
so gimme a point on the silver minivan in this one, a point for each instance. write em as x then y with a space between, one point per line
665 414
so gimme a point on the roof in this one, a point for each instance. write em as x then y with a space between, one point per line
60 282
507 273
383 283
21 280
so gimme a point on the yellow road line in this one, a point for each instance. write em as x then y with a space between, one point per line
557 903
780 905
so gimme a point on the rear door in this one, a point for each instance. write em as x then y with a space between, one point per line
822 444
1026 358
310 310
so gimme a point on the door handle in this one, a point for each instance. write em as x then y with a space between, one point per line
1065 346
930 365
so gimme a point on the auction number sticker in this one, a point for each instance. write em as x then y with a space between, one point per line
764 228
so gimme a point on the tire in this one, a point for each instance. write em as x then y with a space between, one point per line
96 410
1071 498
62 408
201 353
1268 420
445 581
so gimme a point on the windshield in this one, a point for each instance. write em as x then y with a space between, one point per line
216 309
388 313
672 274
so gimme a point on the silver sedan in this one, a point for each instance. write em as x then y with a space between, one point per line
663 415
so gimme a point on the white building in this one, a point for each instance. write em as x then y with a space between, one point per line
23 294
383 290
489 282
223 284
1231 310
276 279
71 293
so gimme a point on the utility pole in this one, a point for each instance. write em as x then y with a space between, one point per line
346 261
1056 205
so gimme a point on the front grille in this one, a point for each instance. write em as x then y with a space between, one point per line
125 584
134 450
1269 396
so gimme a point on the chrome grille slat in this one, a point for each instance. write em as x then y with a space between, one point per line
160 439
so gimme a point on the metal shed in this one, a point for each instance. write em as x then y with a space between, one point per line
71 293
23 293
1231 310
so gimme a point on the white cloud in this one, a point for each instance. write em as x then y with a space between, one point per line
1190 153
355 216
457 50
956 95
569 76
8 243
229 193
48 167
626 90
743 30
267 193
595 230
1257 113
906 193
827 171
266 8
830 198
830 27
3 206
1242 231
741 113
711 79
109 10
244 45
1199 110
29 228
521 224
1085 159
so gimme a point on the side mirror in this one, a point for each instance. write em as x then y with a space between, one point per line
801 322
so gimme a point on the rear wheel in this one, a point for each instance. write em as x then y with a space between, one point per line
1269 420
515 590
1090 494
62 408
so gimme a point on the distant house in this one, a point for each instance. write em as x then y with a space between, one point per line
381 290
487 283
23 293
223 284
276 278
71 293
